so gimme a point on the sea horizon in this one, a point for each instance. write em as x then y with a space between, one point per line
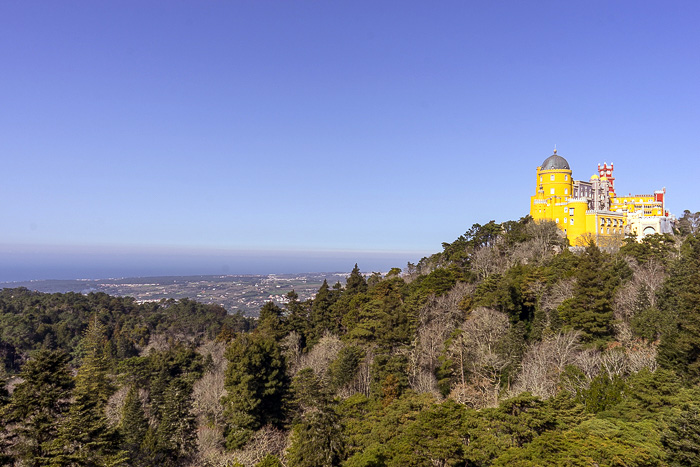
74 263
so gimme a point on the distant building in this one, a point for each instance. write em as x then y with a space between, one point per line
591 209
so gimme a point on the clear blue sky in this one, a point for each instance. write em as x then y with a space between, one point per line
329 125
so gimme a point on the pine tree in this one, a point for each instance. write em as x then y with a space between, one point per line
134 424
298 316
317 441
681 439
257 384
356 282
176 432
37 406
590 310
679 349
85 438
271 322
321 312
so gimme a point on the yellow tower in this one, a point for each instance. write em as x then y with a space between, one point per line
554 188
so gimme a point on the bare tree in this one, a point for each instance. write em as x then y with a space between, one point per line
478 362
544 363
437 319
321 355
291 347
555 296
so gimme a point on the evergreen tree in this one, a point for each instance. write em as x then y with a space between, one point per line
321 317
298 316
317 441
590 310
85 438
269 461
134 425
37 406
681 439
356 282
176 431
271 322
256 383
679 349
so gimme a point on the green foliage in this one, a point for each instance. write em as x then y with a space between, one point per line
356 282
32 320
594 442
38 405
257 384
403 331
317 441
680 299
603 393
681 438
269 461
657 247
344 368
133 426
590 310
85 437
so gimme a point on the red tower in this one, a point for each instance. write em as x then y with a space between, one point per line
607 172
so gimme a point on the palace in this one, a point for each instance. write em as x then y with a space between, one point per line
591 209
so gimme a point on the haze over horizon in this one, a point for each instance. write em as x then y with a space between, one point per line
280 132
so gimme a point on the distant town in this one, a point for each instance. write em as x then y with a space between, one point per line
244 293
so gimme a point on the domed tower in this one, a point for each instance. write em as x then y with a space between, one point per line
554 188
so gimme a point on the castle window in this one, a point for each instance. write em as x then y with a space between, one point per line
566 191
557 220
608 229
571 211
551 191
602 230
540 178
572 222
565 220
566 177
551 177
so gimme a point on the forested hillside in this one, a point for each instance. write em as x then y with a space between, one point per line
506 348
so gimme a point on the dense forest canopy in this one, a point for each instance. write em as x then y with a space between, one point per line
505 348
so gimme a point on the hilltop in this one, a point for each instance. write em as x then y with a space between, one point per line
504 348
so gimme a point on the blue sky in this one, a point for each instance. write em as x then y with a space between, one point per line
384 126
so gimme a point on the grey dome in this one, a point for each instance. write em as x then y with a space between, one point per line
555 162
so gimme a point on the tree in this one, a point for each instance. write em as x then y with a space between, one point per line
271 321
689 223
356 282
38 404
86 438
681 438
317 441
321 316
134 424
590 310
680 298
257 384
